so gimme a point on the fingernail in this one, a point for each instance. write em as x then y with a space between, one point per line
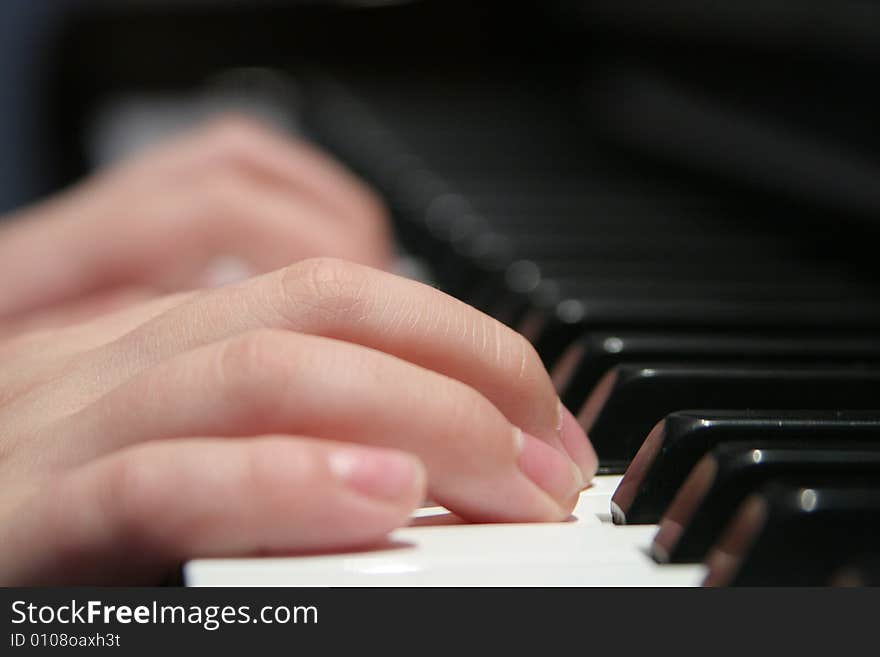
224 270
576 443
379 474
549 469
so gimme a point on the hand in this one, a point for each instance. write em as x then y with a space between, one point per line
305 409
230 200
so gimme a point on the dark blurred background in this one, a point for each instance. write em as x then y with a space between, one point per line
26 32
778 96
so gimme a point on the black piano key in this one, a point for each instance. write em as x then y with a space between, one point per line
615 276
512 294
697 285
593 354
623 266
570 253
632 398
608 278
677 442
796 534
730 472
558 319
476 269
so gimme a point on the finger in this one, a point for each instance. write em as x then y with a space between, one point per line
250 145
82 258
73 258
227 215
46 358
134 306
81 310
36 236
99 330
270 226
384 312
132 516
479 465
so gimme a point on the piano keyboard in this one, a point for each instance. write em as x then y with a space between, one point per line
586 551
751 328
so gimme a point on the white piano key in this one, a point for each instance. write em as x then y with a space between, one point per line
587 550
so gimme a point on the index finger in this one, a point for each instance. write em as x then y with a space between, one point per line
412 321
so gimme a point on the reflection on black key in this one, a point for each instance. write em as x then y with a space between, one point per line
676 443
631 398
564 318
796 534
729 473
580 368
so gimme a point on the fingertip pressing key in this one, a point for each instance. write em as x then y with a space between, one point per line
549 469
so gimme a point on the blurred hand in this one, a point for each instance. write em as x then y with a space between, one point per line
305 409
230 200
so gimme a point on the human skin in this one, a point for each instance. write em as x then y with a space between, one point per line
146 419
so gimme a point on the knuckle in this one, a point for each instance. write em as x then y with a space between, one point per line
330 288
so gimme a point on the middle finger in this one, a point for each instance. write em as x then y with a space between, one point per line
479 464
357 304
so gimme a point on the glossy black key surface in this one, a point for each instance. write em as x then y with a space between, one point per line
561 319
554 237
632 398
730 472
535 283
593 354
797 534
676 443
